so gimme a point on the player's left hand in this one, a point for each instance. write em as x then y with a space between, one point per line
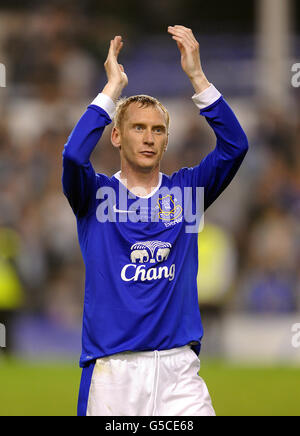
189 49
190 56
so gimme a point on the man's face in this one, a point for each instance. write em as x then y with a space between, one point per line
143 137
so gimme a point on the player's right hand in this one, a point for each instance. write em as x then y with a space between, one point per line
115 71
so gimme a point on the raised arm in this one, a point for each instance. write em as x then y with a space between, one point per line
79 178
216 170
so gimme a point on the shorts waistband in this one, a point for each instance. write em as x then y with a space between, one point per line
151 354
169 352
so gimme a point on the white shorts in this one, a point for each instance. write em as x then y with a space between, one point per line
154 383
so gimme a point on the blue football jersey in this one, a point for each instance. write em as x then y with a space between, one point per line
141 253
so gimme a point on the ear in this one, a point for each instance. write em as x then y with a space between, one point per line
116 137
166 144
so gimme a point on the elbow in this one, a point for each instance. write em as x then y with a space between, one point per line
243 144
71 156
67 155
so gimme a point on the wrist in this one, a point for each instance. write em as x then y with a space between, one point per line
113 90
206 97
106 103
199 82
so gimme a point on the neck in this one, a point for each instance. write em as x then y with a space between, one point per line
140 183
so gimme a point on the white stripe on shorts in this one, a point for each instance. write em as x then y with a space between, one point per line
149 383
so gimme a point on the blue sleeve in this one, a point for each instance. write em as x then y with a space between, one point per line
79 178
218 168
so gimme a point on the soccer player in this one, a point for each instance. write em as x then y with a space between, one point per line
142 329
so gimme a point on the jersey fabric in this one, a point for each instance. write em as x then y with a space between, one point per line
141 262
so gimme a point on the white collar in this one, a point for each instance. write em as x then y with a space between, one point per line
118 177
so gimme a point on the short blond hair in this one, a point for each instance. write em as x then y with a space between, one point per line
143 101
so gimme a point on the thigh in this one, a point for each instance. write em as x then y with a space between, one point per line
119 387
183 392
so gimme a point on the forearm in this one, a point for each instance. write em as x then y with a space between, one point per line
222 120
218 168
86 135
232 142
79 178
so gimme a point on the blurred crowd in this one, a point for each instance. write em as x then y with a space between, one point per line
54 69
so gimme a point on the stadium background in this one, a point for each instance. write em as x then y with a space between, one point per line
249 273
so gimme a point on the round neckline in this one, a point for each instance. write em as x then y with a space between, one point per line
118 177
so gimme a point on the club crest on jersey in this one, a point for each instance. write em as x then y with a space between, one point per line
143 253
168 209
